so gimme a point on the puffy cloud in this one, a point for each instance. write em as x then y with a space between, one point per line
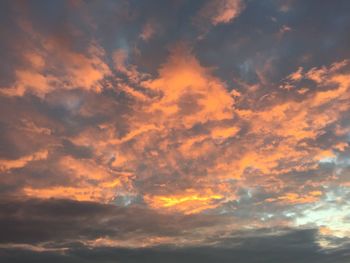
56 66
189 91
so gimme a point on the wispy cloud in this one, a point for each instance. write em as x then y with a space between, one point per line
221 11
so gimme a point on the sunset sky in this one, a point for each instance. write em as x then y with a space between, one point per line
175 131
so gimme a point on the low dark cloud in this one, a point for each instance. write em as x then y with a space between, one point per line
294 246
59 230
35 221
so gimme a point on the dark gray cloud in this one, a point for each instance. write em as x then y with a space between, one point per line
295 246
56 221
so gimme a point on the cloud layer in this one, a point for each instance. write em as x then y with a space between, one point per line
218 132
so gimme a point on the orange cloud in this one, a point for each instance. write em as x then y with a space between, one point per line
189 93
230 147
87 193
89 181
189 202
297 75
6 165
55 66
159 134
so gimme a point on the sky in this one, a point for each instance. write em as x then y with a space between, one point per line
175 131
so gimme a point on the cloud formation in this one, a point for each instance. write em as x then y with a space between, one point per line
221 11
124 131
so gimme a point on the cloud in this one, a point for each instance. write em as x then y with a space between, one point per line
187 203
148 31
6 165
79 72
122 132
189 91
220 11
89 182
60 222
289 246
192 129
55 65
